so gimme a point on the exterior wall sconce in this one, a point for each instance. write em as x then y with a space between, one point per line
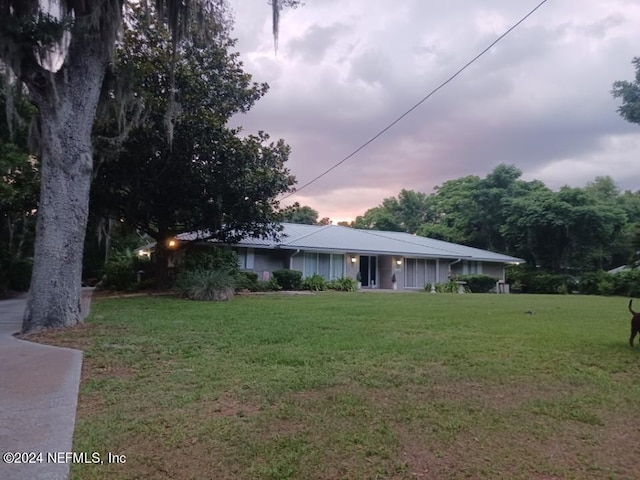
353 260
398 262
172 243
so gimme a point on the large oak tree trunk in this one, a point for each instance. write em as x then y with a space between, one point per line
67 102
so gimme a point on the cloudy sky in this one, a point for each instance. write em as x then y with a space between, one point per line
540 99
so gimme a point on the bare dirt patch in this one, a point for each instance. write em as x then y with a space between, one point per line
80 336
479 445
565 450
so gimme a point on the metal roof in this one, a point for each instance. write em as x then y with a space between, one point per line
335 238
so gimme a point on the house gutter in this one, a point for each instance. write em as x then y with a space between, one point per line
291 258
450 265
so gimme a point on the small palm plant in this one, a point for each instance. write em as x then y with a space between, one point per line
204 284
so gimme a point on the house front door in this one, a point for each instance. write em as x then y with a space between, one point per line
369 271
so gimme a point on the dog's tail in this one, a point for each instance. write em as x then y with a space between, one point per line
631 309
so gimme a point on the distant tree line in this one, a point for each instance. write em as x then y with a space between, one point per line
302 214
582 229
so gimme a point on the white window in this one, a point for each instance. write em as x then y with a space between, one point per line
329 266
471 267
310 264
245 258
337 266
241 254
324 265
415 273
411 267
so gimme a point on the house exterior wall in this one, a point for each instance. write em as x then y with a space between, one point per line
269 261
399 271
412 273
351 269
442 271
431 272
297 261
385 270
453 270
495 270
260 261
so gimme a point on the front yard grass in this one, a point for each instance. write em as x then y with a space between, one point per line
359 386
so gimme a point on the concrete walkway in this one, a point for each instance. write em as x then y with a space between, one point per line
38 397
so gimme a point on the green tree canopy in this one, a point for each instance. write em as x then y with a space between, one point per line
297 213
560 229
19 183
452 206
573 228
406 213
206 178
629 93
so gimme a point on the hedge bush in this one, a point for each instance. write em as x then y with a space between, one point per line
121 272
526 280
478 283
606 286
593 283
288 279
544 282
270 285
247 281
211 259
627 283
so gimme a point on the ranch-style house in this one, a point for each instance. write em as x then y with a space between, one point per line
334 251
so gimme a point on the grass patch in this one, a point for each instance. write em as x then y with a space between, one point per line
359 386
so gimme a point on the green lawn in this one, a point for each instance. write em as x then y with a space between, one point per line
360 386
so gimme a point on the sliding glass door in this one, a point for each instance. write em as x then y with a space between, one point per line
369 271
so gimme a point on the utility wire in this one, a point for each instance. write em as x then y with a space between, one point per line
388 127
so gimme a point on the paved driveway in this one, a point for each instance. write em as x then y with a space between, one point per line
38 398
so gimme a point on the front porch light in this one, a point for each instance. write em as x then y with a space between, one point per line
172 243
354 259
399 262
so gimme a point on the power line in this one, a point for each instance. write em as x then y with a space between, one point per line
424 99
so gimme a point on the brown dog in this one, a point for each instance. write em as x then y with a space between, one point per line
635 324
